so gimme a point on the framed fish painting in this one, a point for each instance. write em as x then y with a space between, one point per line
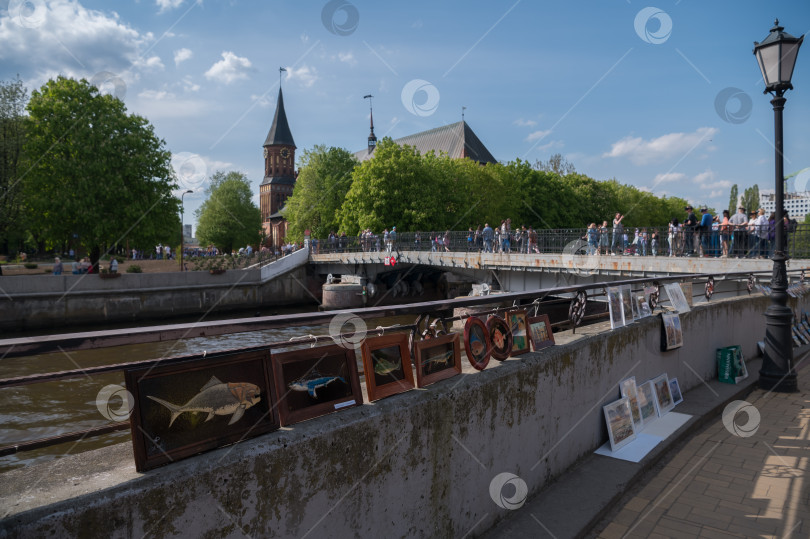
315 381
437 358
387 365
500 337
518 326
188 405
476 343
540 332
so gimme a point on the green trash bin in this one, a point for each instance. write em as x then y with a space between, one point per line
731 365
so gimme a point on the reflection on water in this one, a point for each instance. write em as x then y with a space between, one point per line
47 409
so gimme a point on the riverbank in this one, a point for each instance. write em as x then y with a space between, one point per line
44 268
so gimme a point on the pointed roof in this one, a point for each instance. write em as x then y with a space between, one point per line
456 140
280 130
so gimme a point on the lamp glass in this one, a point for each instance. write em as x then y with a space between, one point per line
789 53
768 58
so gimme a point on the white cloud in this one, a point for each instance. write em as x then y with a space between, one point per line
189 85
231 68
525 123
642 152
181 55
151 63
706 180
162 104
158 95
304 38
645 189
347 57
262 100
668 177
715 194
305 75
166 5
537 135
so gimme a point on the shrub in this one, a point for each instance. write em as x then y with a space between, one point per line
31 265
134 268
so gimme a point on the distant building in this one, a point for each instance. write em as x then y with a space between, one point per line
279 176
187 231
797 205
456 140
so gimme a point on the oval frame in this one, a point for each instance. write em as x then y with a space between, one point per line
496 322
468 325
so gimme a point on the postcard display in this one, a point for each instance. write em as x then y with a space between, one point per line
642 417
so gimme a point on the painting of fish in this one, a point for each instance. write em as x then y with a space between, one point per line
216 398
313 383
383 366
439 360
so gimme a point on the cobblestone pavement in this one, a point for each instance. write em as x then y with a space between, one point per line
743 476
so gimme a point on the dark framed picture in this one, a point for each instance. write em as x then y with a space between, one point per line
437 358
540 332
672 333
315 381
387 365
500 337
194 404
517 321
476 343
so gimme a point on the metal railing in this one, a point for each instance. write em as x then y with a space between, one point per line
437 310
741 242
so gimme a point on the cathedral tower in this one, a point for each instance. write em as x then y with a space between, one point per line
279 164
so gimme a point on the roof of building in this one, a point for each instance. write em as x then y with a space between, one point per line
456 140
280 130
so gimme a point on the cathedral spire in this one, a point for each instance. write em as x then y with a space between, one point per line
372 138
280 130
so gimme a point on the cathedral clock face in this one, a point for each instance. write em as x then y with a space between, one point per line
265 153
285 153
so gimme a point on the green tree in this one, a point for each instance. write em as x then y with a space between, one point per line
556 164
321 187
229 218
732 200
13 97
97 173
750 198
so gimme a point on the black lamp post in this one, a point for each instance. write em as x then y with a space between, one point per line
182 232
776 55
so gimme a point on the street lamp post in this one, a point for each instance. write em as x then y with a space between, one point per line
776 56
182 234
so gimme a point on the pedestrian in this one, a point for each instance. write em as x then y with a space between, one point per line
603 238
487 234
725 234
57 266
113 265
592 234
618 234
738 233
761 227
690 226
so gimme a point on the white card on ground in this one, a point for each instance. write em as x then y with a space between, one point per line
635 450
666 424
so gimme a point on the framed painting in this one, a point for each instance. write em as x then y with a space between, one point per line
627 388
677 298
315 381
517 321
540 332
647 403
437 359
663 395
686 288
615 307
672 337
387 365
476 343
619 423
500 337
645 309
627 304
195 404
675 390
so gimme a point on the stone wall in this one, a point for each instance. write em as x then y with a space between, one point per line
417 464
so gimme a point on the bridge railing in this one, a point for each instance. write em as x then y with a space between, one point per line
741 242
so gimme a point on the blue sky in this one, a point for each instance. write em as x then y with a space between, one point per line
666 96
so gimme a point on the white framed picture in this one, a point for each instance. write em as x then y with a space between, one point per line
675 390
647 402
663 395
677 297
627 304
619 421
628 389
615 306
673 334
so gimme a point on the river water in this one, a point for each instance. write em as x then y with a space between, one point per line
47 409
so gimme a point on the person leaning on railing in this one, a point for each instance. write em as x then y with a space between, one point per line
738 233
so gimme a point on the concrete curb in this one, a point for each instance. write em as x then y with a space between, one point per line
573 504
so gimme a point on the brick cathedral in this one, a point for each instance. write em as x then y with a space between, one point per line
279 176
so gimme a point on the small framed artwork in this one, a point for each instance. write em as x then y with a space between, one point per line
517 325
645 309
672 337
315 381
628 389
540 332
437 358
647 402
627 304
615 307
387 365
675 390
677 297
686 288
194 404
619 423
476 343
663 395
500 337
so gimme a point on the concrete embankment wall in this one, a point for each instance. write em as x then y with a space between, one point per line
42 301
417 464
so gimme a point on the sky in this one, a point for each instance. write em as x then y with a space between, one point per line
667 96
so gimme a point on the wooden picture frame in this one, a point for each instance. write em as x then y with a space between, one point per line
540 332
387 365
615 307
476 343
663 394
437 359
627 388
619 421
312 382
500 337
178 405
518 326
675 390
647 403
671 332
